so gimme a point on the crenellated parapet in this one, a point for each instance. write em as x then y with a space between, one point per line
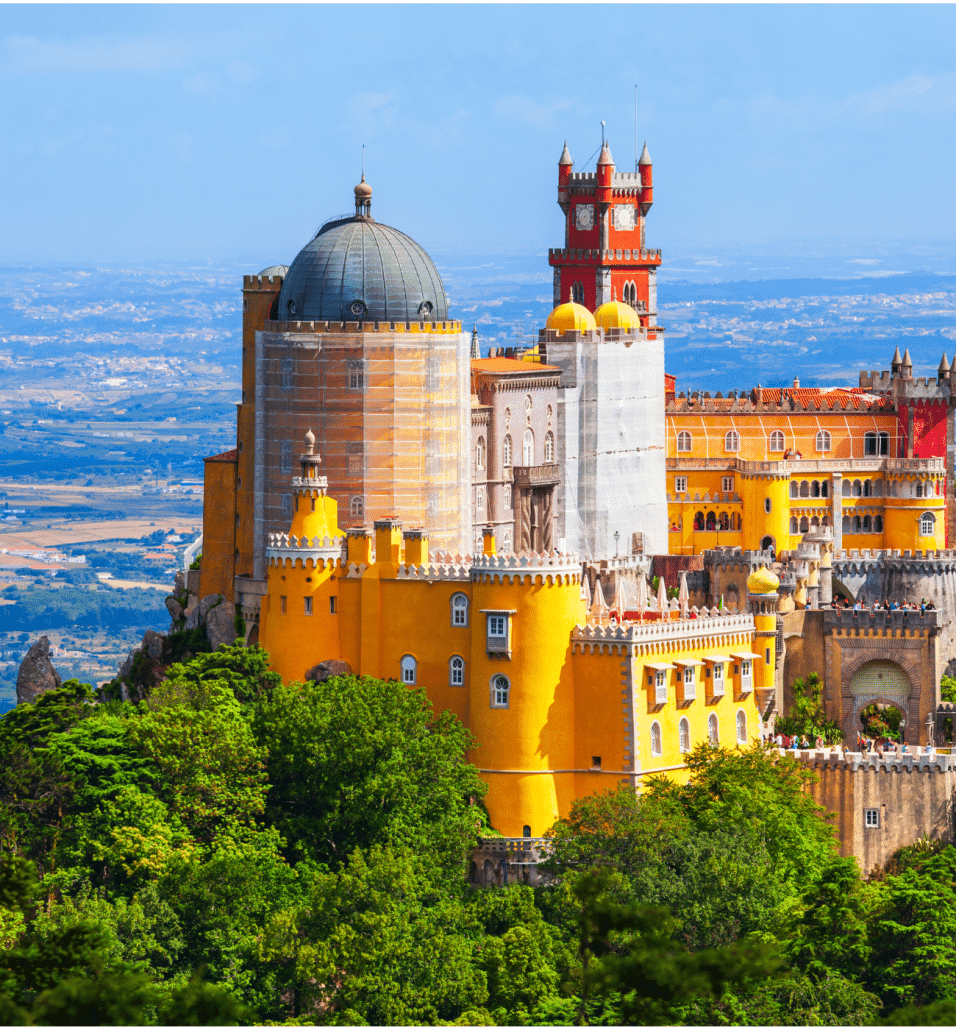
861 561
857 762
767 401
285 549
272 326
530 567
434 572
703 626
880 622
597 256
264 283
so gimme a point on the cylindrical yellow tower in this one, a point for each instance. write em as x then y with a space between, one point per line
522 698
766 510
762 599
299 623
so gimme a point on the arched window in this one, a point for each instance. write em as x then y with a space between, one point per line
711 522
919 489
776 440
724 521
805 488
741 726
459 610
577 292
357 507
456 671
927 524
409 669
287 506
732 441
549 449
479 498
683 442
804 525
824 489
507 495
506 452
867 524
480 453
857 488
877 523
894 489
867 488
794 525
630 294
656 746
846 524
857 524
699 521
500 691
877 487
847 488
527 448
713 734
506 542
794 489
684 735
814 522
823 440
815 488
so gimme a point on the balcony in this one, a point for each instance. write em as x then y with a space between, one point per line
798 465
528 476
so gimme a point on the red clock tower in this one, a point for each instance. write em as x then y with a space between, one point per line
603 257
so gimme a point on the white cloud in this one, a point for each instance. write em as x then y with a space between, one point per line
930 94
20 55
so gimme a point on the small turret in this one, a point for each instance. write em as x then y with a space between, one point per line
944 368
647 180
363 199
896 362
565 158
475 350
907 366
565 164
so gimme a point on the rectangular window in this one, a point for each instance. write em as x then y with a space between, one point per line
690 683
282 604
746 676
680 484
308 605
498 639
356 375
287 506
767 651
356 452
596 762
287 368
718 679
497 626
333 605
871 817
727 484
660 687
286 457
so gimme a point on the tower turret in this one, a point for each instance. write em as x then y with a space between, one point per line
944 368
896 362
907 366
762 600
646 169
604 191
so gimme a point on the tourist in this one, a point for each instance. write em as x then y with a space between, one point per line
904 750
819 743
930 748
778 740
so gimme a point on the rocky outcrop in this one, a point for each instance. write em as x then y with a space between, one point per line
220 624
36 675
327 670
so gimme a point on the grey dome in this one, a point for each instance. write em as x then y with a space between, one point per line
273 270
357 270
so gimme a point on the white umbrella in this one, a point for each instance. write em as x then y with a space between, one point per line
661 596
599 607
683 596
641 594
620 604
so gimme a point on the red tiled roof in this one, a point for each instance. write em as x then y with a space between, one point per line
509 365
225 456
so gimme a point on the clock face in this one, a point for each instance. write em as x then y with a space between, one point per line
623 217
584 216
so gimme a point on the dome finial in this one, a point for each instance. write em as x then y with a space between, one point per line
363 194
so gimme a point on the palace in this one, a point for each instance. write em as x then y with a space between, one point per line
483 528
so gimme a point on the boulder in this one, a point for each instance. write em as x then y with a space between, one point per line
327 670
192 616
152 644
206 604
36 675
179 583
221 624
174 608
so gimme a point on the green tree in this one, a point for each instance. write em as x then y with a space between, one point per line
807 714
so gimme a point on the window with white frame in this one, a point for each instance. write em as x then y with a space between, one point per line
732 441
746 675
479 498
776 440
871 817
506 452
717 676
657 747
480 453
497 637
680 484
713 733
741 726
684 442
927 524
684 735
507 495
527 450
357 507
506 542
500 691
456 671
356 375
549 448
727 484
459 610
409 669
823 440
660 687
690 683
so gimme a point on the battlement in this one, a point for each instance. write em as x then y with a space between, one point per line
881 621
735 559
854 761
627 180
582 177
283 547
533 567
859 557
922 388
433 572
262 283
596 256
701 623
783 401
362 327
625 336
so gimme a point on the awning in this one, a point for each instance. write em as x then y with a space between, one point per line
746 654
659 666
715 658
688 661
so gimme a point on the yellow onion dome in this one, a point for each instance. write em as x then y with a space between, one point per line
763 581
615 314
571 316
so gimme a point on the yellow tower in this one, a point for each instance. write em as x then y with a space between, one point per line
299 621
522 685
762 597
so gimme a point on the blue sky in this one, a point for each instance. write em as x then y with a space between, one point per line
212 133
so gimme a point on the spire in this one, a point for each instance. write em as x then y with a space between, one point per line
896 359
363 197
944 363
907 360
475 352
599 609
310 461
605 157
645 158
565 158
